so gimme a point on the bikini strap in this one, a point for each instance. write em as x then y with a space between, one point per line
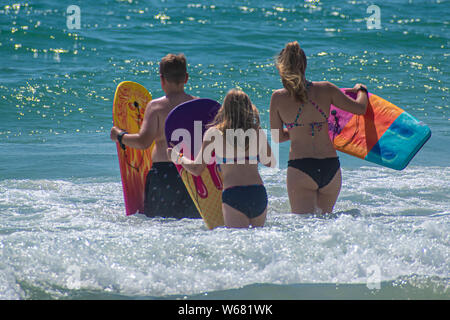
319 109
295 122
308 84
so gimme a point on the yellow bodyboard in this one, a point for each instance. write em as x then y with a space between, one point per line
130 101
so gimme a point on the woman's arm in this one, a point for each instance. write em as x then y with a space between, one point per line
275 121
341 100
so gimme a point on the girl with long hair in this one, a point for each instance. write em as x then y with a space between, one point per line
237 143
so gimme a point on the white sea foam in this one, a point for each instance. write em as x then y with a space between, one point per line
59 237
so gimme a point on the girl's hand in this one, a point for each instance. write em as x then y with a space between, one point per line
169 153
174 155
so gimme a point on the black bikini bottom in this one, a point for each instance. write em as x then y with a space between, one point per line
250 200
322 171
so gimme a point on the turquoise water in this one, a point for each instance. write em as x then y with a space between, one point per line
63 231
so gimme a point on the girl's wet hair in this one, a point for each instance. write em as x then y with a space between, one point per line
237 112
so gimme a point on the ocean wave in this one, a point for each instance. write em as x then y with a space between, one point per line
66 238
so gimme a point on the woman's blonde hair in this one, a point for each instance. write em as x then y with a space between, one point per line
237 112
291 64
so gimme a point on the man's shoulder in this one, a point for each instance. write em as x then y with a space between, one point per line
157 105
189 97
163 103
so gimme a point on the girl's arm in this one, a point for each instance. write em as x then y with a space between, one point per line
196 166
190 165
266 156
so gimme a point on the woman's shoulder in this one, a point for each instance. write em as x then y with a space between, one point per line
279 92
321 87
279 95
321 84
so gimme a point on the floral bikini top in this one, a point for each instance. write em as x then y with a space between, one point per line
313 125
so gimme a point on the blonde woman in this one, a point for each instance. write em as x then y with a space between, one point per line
237 146
313 174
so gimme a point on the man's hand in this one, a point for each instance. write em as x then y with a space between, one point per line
114 133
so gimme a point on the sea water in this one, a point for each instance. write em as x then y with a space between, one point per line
63 229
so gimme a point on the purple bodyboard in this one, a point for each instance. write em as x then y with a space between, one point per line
185 115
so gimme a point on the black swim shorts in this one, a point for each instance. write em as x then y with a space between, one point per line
166 195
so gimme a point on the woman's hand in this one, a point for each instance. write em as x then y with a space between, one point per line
356 88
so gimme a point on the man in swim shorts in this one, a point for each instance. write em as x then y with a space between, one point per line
165 192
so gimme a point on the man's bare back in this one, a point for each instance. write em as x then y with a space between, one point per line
159 110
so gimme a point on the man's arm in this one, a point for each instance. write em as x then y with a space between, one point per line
147 134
